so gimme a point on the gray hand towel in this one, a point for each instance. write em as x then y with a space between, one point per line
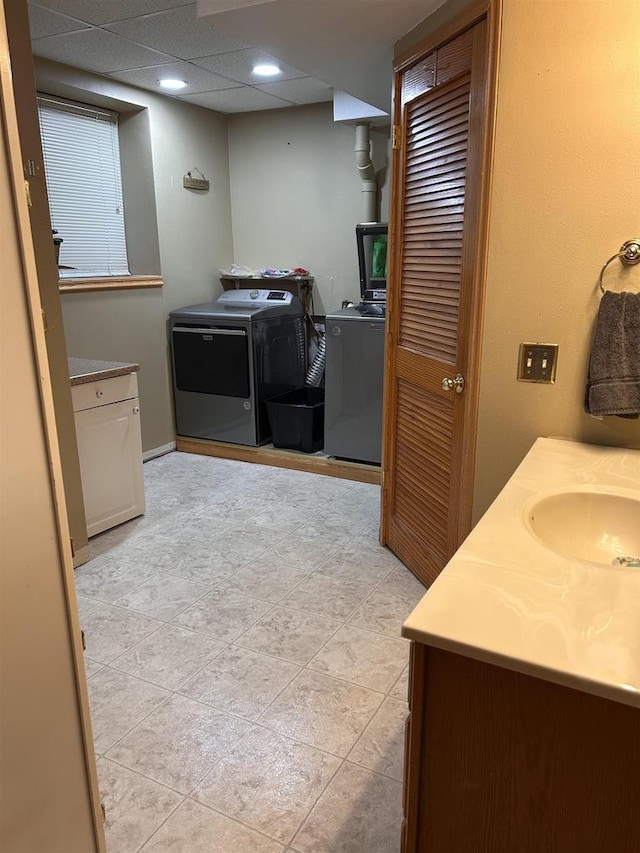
613 385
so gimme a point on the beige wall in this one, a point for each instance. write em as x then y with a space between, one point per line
566 195
296 195
195 239
44 786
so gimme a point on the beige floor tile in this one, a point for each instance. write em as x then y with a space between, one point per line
282 516
159 552
345 515
327 527
170 656
162 597
360 812
330 597
384 612
223 614
381 745
362 558
108 578
241 682
295 550
111 630
267 581
194 828
400 689
210 566
274 790
178 743
350 564
289 634
86 605
135 807
362 657
91 667
248 539
118 703
322 712
402 582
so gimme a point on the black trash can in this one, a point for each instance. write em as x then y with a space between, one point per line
297 419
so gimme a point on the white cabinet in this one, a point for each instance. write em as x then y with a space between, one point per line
107 415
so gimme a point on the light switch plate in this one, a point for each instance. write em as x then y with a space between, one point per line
538 363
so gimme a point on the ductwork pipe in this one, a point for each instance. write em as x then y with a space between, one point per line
367 172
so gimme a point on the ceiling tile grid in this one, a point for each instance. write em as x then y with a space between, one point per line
142 41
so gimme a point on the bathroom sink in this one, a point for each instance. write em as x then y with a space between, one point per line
598 525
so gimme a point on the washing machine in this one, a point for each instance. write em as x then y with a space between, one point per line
353 382
231 355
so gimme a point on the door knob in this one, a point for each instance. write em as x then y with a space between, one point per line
456 384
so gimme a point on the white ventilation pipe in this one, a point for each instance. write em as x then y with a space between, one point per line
367 172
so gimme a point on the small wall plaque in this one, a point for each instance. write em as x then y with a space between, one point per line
191 183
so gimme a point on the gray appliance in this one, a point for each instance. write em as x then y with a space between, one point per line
353 383
229 356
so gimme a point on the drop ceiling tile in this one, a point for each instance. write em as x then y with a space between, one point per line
239 65
197 79
179 32
106 11
242 100
43 22
305 90
97 50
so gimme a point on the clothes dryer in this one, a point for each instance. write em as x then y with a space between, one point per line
229 356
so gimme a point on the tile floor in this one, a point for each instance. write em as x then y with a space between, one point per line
246 671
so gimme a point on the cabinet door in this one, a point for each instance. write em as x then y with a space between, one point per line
110 451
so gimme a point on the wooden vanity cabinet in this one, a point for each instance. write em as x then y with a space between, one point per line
500 762
107 416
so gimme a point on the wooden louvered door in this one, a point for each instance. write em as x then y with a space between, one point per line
435 302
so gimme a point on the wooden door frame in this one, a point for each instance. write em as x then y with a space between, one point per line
27 250
483 114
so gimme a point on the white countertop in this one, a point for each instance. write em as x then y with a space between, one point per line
507 599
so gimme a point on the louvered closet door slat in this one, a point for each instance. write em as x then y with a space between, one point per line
434 212
435 170
424 462
451 96
440 191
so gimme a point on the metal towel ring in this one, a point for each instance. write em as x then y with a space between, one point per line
629 254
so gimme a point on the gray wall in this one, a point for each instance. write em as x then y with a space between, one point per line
195 239
284 192
296 195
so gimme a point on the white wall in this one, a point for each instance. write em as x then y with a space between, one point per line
296 195
194 230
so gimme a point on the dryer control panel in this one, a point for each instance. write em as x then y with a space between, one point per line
255 297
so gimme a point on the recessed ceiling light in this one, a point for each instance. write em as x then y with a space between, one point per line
266 70
170 83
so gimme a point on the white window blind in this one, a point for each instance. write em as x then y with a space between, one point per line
82 166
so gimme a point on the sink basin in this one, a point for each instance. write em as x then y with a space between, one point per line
598 525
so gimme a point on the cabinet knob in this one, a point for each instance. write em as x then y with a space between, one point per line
99 393
136 410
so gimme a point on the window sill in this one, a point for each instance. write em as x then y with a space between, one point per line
129 282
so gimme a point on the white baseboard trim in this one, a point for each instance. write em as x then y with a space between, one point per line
158 451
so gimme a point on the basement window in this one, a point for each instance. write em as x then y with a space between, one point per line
84 183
